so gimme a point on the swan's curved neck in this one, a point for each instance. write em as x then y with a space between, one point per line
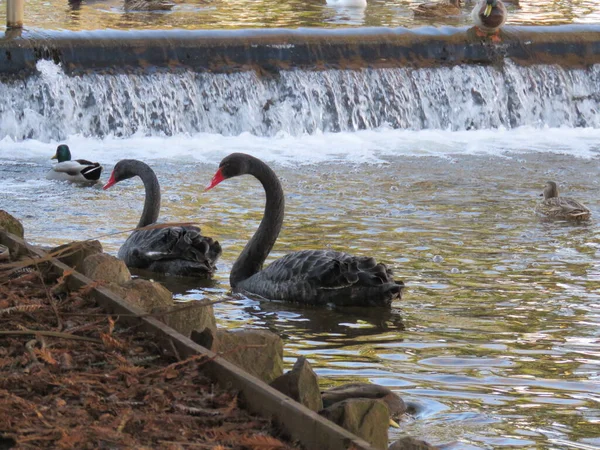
152 202
258 248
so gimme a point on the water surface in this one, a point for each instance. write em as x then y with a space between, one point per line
223 14
496 343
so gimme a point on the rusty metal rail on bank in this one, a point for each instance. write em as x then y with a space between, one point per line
271 50
300 423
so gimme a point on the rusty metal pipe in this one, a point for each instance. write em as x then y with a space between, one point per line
14 13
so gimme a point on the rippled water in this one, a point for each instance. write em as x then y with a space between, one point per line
496 343
195 14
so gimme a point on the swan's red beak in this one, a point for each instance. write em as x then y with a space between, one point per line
110 181
215 180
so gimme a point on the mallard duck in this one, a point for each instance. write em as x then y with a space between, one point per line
78 170
148 5
556 207
489 16
438 9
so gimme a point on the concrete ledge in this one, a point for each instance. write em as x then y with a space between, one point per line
271 50
302 424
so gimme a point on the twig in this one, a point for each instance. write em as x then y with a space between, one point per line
188 444
124 421
59 324
174 349
195 304
175 365
56 334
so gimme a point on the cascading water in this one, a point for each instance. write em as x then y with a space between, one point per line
52 105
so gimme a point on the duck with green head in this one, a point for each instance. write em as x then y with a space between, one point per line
489 16
555 207
77 170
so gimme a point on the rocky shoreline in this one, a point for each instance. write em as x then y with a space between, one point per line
363 409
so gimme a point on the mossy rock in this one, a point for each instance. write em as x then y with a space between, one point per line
11 224
258 352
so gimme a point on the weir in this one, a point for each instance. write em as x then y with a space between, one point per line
265 82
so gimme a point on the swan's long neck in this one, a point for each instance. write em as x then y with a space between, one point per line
152 202
258 248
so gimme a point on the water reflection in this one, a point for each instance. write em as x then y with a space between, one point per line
200 14
496 342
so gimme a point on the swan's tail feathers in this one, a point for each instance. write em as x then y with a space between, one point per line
176 251
350 280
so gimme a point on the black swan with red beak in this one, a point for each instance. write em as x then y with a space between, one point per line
175 250
315 277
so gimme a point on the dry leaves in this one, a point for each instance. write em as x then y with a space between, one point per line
115 389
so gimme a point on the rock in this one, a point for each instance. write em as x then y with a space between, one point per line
147 295
153 297
301 384
4 253
367 418
199 319
104 267
205 338
11 224
73 253
395 404
408 443
264 362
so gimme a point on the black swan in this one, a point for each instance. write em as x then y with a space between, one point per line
177 250
315 277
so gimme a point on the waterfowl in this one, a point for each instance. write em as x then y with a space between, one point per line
315 277
489 16
173 251
556 207
148 5
438 9
78 170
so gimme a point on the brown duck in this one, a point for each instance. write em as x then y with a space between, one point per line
555 207
438 9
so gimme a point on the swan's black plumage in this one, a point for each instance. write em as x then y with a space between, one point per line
176 250
314 277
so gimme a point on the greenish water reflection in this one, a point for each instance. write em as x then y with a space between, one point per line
217 14
496 343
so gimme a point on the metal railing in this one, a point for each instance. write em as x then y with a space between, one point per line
14 13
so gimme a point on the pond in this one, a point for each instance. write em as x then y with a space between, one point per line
223 14
496 343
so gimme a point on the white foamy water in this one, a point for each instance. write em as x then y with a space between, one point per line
51 105
368 146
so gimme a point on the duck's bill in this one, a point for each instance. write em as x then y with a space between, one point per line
488 10
215 180
111 181
394 424
55 156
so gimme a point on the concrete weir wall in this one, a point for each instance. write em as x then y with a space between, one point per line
271 50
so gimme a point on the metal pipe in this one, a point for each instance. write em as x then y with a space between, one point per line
14 13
